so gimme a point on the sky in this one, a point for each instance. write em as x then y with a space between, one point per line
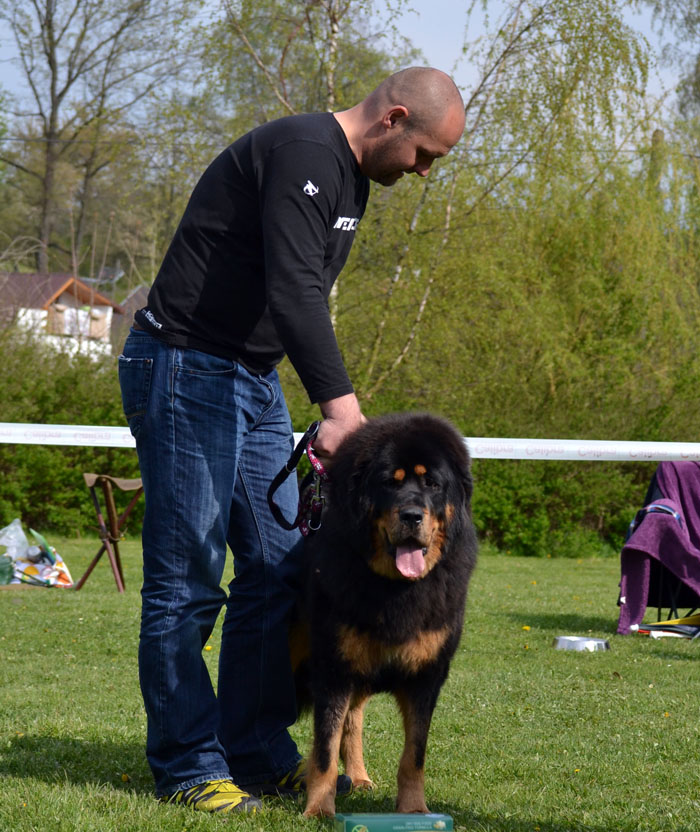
436 27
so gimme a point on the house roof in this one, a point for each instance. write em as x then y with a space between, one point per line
39 291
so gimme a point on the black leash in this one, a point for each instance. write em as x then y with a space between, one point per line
311 498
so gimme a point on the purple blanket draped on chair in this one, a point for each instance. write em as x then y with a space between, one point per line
674 544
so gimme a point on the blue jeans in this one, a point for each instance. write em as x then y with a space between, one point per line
210 437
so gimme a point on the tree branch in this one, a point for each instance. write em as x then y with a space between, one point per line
258 60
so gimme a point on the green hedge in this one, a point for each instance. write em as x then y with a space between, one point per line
555 509
43 484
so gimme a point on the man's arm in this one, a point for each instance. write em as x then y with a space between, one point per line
296 228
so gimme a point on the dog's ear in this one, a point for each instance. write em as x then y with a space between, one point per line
465 478
461 465
359 487
349 475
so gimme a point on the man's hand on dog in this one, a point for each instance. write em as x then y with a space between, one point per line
341 417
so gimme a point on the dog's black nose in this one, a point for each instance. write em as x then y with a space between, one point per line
411 515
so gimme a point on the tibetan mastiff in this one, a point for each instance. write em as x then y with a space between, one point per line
383 609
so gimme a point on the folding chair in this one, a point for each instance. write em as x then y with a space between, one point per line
668 591
110 532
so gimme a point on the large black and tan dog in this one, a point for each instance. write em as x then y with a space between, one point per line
387 582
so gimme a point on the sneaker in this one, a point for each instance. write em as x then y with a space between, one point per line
293 784
215 796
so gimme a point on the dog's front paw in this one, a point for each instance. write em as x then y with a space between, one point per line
363 784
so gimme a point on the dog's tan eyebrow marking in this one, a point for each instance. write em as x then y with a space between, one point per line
420 470
399 475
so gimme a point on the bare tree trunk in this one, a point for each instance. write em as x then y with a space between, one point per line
46 212
46 208
334 14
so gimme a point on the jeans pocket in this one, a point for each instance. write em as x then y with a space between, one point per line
135 383
196 363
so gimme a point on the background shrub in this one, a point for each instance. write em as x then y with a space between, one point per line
43 484
553 509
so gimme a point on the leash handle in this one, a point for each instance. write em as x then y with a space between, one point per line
316 463
304 444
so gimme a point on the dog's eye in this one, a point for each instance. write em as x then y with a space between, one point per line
431 483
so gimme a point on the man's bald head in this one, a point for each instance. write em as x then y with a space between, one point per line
428 94
412 118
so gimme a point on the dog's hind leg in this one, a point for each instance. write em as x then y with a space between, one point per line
416 711
329 717
351 743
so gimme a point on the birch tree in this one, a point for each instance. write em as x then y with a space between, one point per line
564 73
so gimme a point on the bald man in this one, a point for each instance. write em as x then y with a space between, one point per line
246 281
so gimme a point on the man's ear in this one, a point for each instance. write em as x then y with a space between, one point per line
395 116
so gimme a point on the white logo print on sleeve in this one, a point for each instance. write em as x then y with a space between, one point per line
151 318
310 189
347 223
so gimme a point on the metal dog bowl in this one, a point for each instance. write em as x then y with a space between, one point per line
588 645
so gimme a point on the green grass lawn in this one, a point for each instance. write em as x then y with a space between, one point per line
525 738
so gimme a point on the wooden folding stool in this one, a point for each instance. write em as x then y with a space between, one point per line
111 531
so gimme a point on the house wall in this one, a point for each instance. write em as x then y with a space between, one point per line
75 329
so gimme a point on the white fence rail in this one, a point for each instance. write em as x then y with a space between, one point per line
585 450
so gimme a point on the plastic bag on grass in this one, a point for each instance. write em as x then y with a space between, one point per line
15 541
38 564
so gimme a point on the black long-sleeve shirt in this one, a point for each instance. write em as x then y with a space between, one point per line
265 234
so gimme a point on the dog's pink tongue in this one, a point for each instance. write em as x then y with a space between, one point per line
410 561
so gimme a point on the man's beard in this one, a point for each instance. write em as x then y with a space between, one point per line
384 167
